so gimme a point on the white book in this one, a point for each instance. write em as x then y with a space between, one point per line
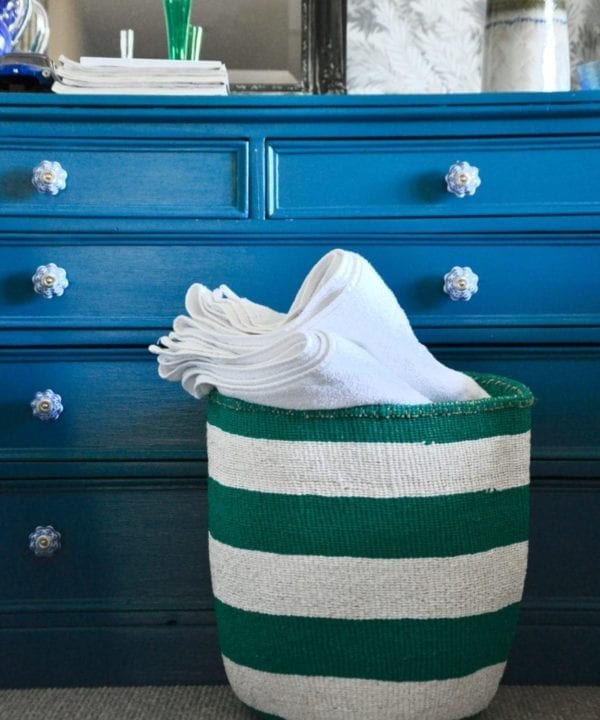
131 77
177 80
188 90
147 63
74 73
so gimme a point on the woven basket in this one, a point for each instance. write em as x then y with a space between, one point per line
368 563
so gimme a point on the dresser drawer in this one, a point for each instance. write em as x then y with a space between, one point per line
115 407
521 284
138 548
565 541
405 178
129 178
565 422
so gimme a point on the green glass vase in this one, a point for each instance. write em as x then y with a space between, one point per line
177 21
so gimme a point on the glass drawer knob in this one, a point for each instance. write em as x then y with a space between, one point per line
44 541
461 283
462 179
49 177
50 281
47 405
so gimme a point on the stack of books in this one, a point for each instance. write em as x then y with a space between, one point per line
120 76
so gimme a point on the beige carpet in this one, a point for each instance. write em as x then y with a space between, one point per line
218 703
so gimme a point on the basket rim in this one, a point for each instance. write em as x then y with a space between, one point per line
504 393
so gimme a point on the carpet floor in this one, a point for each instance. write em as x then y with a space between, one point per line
203 702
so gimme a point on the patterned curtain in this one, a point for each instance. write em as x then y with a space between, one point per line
435 46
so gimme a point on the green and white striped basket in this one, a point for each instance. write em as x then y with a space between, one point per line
368 563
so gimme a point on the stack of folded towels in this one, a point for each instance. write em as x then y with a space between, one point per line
344 341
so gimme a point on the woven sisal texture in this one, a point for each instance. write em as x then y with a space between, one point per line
369 562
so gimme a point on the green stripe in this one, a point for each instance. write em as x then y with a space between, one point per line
397 650
507 412
438 526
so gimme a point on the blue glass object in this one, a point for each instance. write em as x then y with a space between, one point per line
589 75
15 14
5 39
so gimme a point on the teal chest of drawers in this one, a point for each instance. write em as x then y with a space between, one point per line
103 516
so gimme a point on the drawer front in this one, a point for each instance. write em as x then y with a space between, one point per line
520 284
405 178
137 548
115 407
564 381
129 179
565 541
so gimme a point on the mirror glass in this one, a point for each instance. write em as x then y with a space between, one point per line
258 40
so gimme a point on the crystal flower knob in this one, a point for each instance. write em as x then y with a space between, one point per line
462 179
50 281
47 405
460 283
49 177
44 541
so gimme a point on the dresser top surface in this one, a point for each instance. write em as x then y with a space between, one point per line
573 102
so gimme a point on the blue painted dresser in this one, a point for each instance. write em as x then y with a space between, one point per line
251 191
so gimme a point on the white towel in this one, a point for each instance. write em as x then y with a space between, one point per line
344 341
354 301
223 306
302 371
342 295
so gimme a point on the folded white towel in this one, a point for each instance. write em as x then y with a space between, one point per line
302 371
342 295
229 310
354 301
344 341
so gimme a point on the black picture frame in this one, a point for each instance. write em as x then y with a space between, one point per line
323 53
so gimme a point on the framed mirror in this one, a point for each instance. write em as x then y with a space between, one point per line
276 46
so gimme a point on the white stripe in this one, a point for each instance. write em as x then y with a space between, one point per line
362 588
351 469
299 697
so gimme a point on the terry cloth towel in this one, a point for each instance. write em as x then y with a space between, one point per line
342 297
300 370
240 315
